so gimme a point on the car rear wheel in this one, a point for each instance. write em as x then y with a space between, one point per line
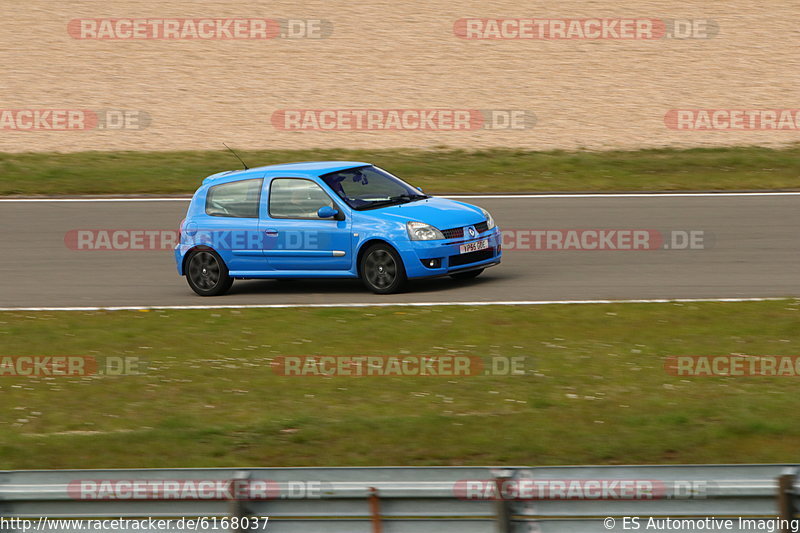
382 270
207 274
470 274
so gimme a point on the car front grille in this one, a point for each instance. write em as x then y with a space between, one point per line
471 257
457 233
482 226
454 233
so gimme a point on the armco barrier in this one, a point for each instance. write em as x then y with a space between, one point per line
423 499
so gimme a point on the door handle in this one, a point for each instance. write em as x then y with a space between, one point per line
271 232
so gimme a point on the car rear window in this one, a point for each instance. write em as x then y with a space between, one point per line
238 199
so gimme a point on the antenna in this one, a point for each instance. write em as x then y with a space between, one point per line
237 156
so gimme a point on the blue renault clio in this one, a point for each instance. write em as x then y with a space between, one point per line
331 219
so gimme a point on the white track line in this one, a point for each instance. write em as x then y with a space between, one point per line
455 196
386 304
626 195
84 200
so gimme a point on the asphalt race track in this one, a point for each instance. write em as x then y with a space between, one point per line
751 249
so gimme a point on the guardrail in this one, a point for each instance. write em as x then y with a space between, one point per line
414 500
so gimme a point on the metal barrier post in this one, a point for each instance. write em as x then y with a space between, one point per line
239 486
375 510
502 507
786 495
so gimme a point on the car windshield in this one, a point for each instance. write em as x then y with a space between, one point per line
370 187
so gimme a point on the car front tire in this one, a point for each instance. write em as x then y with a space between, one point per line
382 269
207 274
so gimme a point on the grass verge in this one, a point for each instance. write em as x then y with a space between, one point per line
594 389
435 171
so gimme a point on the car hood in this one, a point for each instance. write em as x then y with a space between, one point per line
438 212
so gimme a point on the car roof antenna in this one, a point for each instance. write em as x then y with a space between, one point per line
237 156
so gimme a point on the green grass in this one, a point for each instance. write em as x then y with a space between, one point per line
435 171
594 390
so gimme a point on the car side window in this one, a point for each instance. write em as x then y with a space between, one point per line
238 199
296 198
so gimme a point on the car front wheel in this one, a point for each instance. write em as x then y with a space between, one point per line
207 274
382 270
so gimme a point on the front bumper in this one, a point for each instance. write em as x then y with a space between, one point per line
449 256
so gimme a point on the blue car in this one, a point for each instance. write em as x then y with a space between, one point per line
331 219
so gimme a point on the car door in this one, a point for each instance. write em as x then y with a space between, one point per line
297 239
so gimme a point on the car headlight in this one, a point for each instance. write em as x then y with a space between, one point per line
489 219
419 231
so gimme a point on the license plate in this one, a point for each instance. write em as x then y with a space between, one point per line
474 246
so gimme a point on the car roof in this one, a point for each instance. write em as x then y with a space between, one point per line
309 168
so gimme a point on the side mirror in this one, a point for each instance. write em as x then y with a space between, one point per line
420 189
327 211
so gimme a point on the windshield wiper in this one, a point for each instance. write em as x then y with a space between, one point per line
410 197
394 200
